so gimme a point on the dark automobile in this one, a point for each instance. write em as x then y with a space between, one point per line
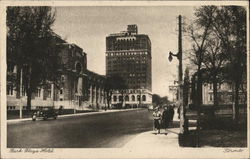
45 113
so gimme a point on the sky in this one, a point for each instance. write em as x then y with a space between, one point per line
88 26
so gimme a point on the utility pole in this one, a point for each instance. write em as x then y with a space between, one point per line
180 81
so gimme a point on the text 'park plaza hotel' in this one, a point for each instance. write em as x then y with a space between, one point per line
128 55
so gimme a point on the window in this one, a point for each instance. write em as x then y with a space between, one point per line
10 90
38 92
114 98
61 91
126 98
62 78
49 93
210 97
120 98
138 97
133 98
11 107
210 86
143 98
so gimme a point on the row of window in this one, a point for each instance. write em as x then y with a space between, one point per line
138 91
38 92
127 61
127 98
138 74
14 107
127 53
122 45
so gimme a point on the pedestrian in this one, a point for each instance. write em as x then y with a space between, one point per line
157 119
171 112
165 117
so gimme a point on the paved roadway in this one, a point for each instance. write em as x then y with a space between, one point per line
89 131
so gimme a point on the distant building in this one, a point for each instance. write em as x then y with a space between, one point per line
128 54
173 93
224 93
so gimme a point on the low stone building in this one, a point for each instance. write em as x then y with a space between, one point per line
132 98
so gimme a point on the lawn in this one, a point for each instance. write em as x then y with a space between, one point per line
218 132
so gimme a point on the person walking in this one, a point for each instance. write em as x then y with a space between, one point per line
157 119
165 118
171 112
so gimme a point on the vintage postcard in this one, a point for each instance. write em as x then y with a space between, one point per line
124 79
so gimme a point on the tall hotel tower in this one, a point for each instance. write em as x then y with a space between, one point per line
128 54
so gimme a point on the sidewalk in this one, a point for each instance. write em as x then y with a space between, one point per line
166 139
149 139
78 114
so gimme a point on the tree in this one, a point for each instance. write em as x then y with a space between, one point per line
199 32
214 60
164 100
31 46
230 27
156 99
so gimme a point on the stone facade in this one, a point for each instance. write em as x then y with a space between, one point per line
96 97
77 89
72 92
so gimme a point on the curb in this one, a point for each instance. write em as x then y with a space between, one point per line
70 115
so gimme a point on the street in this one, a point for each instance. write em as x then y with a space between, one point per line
108 130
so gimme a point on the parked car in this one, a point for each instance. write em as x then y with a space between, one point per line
45 113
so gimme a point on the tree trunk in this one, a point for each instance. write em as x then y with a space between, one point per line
29 94
215 94
18 83
29 87
199 89
199 102
236 102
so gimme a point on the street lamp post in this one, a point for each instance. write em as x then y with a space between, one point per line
180 81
